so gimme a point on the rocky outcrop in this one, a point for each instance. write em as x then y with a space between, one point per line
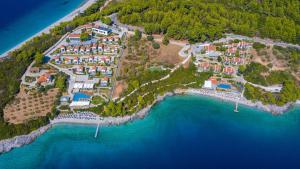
18 141
274 109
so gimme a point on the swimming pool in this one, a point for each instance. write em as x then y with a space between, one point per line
81 96
224 86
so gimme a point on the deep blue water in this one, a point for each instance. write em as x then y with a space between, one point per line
180 132
20 19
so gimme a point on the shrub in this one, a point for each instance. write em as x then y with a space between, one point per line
155 45
258 46
137 35
150 38
165 40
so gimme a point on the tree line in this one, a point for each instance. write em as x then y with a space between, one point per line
207 20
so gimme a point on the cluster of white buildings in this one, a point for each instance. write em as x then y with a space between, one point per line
75 60
93 70
93 48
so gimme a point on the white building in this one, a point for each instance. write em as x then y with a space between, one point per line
208 84
101 30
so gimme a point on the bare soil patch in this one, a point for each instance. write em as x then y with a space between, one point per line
120 87
165 54
266 57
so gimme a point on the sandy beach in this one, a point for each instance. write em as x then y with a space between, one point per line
66 18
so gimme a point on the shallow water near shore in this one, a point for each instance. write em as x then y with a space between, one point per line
180 132
20 20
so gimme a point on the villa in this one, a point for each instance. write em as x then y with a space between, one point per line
216 68
104 82
76 60
204 66
69 49
107 49
228 70
91 59
62 49
45 79
234 61
231 51
237 61
102 69
76 49
100 48
80 70
57 60
95 48
93 70
68 60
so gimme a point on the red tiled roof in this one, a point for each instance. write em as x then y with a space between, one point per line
74 35
228 69
210 47
204 64
43 78
231 50
217 68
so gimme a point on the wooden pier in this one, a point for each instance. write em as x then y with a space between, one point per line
236 107
97 130
236 103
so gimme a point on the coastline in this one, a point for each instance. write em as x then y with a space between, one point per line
274 109
70 16
18 141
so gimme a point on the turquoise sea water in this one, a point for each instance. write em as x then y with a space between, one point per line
180 132
20 19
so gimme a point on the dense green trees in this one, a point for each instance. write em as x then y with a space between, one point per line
84 36
38 58
200 20
258 46
289 93
61 81
260 74
107 21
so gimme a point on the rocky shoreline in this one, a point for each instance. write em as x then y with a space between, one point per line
18 141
